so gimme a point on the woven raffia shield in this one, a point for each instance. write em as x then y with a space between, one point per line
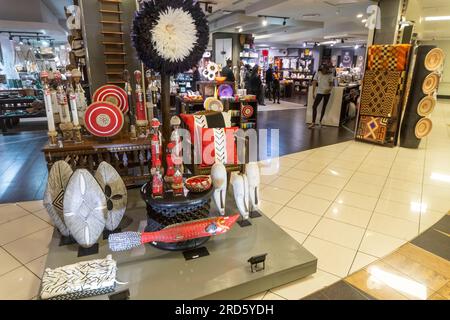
58 178
115 193
84 208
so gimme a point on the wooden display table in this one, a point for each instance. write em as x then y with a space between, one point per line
131 158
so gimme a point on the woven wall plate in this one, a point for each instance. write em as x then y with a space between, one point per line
115 191
58 179
426 106
213 104
423 128
247 111
434 59
114 95
84 208
103 119
431 83
225 90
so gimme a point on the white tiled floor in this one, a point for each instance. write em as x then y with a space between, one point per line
348 203
24 238
357 202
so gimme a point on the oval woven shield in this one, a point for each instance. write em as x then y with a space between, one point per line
103 119
84 208
115 191
114 95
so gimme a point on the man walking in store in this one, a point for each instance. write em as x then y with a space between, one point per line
228 71
269 81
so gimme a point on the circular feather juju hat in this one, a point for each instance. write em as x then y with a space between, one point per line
170 36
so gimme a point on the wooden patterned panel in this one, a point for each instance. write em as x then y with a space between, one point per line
372 129
380 92
388 57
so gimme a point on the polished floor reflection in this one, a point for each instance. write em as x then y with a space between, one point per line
375 217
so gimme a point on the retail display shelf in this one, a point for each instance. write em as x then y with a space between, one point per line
150 273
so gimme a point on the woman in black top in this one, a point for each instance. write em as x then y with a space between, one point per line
255 85
195 77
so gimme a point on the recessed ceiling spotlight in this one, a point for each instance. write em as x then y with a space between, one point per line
359 16
356 46
264 22
304 44
364 20
240 29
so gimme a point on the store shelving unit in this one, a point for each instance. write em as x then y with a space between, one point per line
237 119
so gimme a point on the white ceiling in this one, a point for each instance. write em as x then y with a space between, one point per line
46 16
309 20
430 30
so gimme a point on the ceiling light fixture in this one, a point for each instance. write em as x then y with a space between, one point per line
360 15
284 21
356 47
10 37
20 41
264 22
240 30
364 20
437 18
304 44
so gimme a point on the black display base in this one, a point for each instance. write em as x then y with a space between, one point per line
106 233
83 252
122 295
244 223
65 241
181 246
195 253
255 214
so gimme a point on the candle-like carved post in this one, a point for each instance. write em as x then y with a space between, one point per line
66 125
73 108
52 134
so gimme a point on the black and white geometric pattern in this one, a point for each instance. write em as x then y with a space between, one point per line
79 280
220 146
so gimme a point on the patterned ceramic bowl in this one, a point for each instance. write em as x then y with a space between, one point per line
199 183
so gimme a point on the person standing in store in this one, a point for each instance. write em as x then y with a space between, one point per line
322 85
255 85
227 71
248 73
276 86
195 77
269 81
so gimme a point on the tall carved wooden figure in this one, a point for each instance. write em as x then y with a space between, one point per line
219 181
253 176
241 193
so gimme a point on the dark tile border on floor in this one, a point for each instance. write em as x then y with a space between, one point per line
436 239
340 290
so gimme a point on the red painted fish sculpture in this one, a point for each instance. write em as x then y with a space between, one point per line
174 233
